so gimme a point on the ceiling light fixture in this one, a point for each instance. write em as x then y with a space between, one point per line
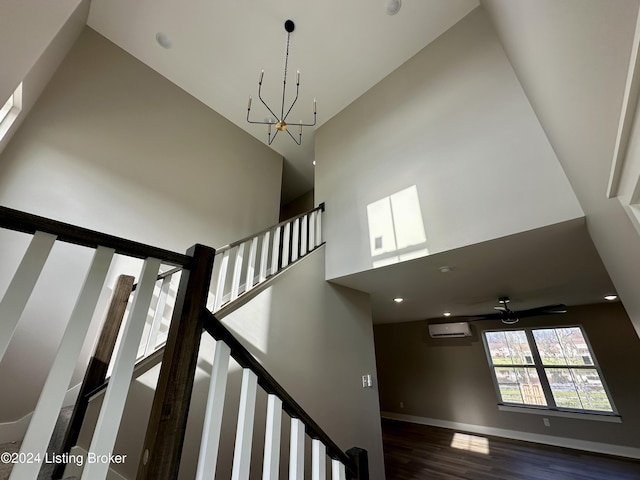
610 298
163 40
447 314
280 122
398 299
393 6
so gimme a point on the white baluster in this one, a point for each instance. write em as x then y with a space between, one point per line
237 273
210 443
244 431
286 244
271 464
337 470
24 280
295 240
158 315
46 414
312 231
251 264
222 278
303 235
106 431
276 250
318 460
262 275
296 452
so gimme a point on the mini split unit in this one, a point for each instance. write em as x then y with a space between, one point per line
442 330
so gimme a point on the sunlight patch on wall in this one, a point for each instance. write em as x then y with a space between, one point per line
471 443
396 229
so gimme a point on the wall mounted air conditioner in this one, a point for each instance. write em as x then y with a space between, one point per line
443 330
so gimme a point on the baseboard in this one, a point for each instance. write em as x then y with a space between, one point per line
16 430
594 447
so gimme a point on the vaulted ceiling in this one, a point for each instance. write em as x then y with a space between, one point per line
218 49
571 57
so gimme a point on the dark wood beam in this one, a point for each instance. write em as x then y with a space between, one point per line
65 232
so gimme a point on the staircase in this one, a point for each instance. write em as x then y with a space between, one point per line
205 285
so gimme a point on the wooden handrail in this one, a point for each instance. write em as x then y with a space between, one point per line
65 232
272 227
245 359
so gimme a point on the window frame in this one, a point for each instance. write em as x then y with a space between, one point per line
540 368
10 109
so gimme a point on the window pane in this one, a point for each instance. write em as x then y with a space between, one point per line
562 346
520 385
578 388
509 348
4 110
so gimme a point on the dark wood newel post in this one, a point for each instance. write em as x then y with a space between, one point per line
168 421
361 460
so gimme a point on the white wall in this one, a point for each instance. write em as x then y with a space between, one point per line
114 147
315 339
453 121
20 47
35 36
572 58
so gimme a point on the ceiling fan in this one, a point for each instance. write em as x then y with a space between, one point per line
510 317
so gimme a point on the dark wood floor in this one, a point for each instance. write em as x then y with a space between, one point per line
419 452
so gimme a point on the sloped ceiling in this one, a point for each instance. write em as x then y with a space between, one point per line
219 48
570 56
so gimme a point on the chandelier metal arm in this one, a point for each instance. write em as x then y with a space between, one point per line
299 142
270 138
284 119
263 102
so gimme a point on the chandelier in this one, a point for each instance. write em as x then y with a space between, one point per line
280 121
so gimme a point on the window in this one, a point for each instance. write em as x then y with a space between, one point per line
9 111
552 368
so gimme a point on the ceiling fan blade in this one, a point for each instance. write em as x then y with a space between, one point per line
538 311
487 316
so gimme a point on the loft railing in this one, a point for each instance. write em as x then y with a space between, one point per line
167 423
238 268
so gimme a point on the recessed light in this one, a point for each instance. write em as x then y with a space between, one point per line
393 6
163 40
314 162
445 269
398 299
610 298
447 314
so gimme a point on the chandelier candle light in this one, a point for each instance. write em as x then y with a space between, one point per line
280 122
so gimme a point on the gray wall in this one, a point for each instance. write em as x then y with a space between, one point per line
450 380
455 122
115 147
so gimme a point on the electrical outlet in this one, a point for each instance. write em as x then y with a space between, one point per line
546 422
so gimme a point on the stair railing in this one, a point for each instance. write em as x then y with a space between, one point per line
45 233
166 429
239 268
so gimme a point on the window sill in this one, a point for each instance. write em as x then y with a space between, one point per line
598 417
